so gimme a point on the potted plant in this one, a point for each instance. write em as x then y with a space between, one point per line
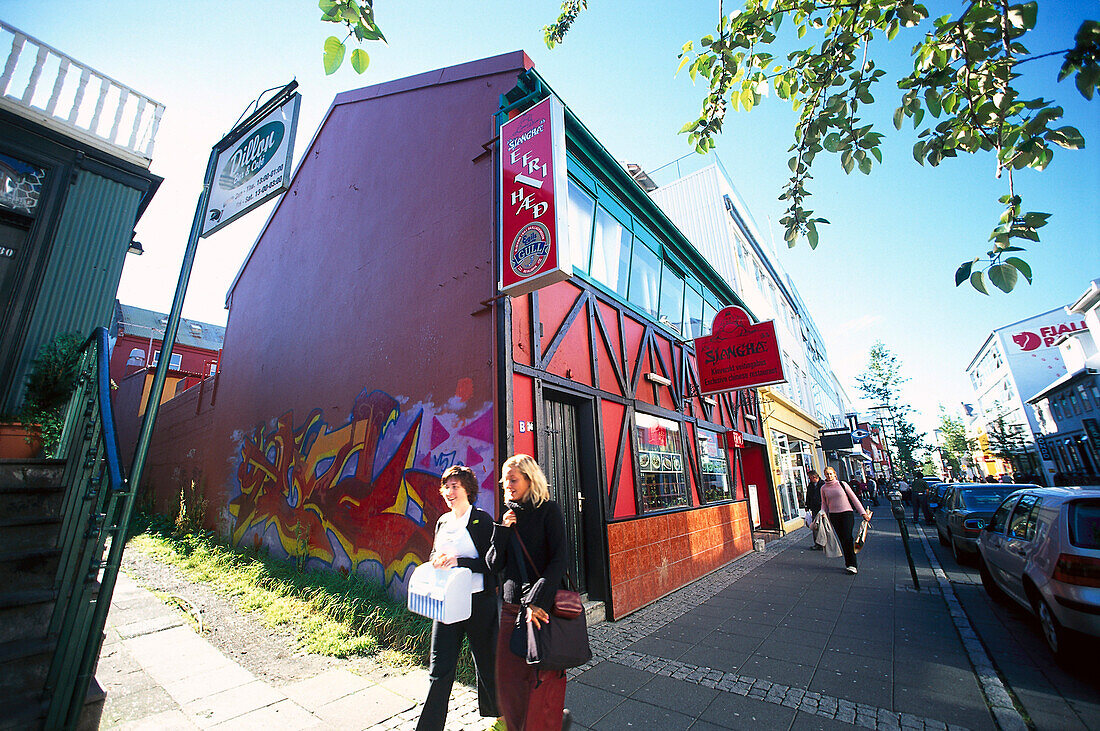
50 383
19 440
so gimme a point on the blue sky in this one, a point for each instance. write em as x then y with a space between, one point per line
884 267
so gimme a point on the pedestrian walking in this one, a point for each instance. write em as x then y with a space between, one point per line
919 488
872 489
841 505
813 503
462 538
531 699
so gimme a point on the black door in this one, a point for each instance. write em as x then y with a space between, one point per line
562 469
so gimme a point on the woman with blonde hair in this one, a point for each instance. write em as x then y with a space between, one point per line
841 505
530 699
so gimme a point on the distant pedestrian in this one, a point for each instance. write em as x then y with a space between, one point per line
872 489
813 503
990 479
919 487
841 505
1006 478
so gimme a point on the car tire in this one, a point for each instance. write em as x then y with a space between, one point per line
962 558
995 592
1053 632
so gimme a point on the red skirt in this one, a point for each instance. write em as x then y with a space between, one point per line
530 699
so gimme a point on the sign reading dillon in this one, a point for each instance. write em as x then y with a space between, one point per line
534 247
738 354
252 169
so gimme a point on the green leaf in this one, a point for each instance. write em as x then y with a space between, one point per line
334 54
977 281
865 165
359 60
963 272
1003 277
899 116
1022 266
811 236
683 62
1067 137
877 153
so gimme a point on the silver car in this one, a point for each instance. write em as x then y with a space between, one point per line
1042 549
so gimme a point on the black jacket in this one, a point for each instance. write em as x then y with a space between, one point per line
543 532
813 497
480 529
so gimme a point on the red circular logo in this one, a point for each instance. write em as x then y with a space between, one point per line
1027 340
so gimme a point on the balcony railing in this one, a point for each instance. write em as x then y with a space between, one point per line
44 84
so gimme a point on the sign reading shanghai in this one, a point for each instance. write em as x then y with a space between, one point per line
253 169
533 237
738 354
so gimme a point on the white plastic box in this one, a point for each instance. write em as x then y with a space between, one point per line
440 594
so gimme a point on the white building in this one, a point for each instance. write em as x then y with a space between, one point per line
705 205
1016 362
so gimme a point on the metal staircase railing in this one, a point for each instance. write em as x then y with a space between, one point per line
97 507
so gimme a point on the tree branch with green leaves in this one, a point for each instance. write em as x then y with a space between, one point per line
961 97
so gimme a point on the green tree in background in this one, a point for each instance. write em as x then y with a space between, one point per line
1008 440
962 95
881 383
954 442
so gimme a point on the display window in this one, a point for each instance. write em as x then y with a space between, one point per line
714 466
660 463
792 457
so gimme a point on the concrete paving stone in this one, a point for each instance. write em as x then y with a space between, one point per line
738 644
860 646
148 701
718 658
635 714
175 653
740 712
678 633
967 708
661 647
285 715
216 708
136 680
171 720
748 629
876 633
715 611
794 652
334 684
676 695
862 667
590 703
805 721
148 625
848 685
411 684
777 671
615 678
192 687
364 708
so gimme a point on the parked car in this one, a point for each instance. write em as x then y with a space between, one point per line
932 498
1042 550
966 509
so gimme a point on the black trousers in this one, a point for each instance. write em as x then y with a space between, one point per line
842 526
481 630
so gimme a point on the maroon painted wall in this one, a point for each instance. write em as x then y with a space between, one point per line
194 360
358 360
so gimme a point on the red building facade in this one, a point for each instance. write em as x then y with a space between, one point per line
365 355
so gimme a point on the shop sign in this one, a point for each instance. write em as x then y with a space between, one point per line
738 354
834 439
737 439
534 244
254 168
1044 448
1092 429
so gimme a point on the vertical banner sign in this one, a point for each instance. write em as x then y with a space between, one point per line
738 354
534 243
254 168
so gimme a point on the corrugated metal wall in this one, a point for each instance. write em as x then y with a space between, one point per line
81 279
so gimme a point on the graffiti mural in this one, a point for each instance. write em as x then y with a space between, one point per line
362 497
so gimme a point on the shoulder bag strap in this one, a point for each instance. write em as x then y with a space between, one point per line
568 576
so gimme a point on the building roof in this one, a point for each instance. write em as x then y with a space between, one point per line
1086 301
1062 382
144 323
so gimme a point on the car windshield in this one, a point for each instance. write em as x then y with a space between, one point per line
1084 524
985 500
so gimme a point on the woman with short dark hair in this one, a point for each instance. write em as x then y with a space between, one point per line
462 539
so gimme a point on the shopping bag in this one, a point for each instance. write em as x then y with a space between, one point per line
809 518
825 536
559 644
861 535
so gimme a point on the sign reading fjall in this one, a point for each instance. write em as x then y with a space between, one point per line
534 250
252 169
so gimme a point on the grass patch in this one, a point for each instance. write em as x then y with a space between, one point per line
331 614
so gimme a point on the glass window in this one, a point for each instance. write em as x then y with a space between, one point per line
610 252
671 313
714 466
708 317
1000 518
1085 398
137 357
175 363
1084 524
661 462
1018 523
1056 408
645 279
581 207
693 312
1074 402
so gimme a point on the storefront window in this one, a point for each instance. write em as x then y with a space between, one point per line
20 185
645 279
714 466
693 312
708 317
581 207
672 300
661 462
792 462
611 253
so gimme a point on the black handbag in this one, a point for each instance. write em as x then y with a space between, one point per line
560 643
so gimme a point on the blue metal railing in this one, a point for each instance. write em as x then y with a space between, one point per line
97 507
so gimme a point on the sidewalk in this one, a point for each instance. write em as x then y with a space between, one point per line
780 639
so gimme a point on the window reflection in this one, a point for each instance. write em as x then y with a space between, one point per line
610 252
581 207
693 313
645 281
671 313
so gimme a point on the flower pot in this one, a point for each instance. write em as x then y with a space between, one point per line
20 441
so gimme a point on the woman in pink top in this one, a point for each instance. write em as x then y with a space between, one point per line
840 504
